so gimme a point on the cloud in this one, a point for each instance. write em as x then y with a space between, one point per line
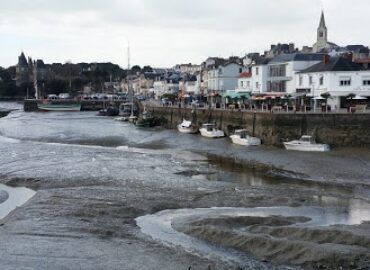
166 32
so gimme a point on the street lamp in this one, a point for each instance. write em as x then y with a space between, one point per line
313 96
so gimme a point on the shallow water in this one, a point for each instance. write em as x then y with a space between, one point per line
17 197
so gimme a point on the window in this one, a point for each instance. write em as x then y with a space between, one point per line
257 70
248 83
366 82
300 80
240 70
310 80
257 85
277 71
241 84
322 80
276 86
345 81
220 71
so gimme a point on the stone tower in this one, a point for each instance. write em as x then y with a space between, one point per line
322 31
22 70
322 44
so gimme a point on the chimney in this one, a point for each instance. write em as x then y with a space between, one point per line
326 59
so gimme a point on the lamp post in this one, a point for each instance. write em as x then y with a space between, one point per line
313 95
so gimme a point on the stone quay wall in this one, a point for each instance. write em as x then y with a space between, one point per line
30 105
336 129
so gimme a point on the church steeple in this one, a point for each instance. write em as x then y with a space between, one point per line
322 31
322 20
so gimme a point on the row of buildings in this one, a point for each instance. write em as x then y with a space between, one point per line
283 70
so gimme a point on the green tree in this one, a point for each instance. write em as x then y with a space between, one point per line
56 86
147 69
135 69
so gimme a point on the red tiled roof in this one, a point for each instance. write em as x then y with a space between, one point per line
245 75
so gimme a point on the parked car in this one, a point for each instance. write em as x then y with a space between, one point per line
52 96
64 96
199 104
166 101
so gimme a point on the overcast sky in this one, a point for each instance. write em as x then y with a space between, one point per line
163 33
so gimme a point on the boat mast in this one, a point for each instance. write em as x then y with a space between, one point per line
128 80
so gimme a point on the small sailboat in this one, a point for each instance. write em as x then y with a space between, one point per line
306 143
187 127
242 138
211 131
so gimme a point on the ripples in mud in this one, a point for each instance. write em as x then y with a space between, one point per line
298 236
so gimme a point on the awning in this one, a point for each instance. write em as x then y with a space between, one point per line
259 98
237 95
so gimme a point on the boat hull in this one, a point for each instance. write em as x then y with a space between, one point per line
211 134
187 130
4 113
249 141
306 147
59 107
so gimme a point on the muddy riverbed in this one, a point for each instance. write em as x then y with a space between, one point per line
94 177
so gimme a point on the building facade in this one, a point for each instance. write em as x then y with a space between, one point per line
338 77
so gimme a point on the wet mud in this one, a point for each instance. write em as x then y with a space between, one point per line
94 177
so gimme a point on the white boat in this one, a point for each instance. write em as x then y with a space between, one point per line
308 144
121 119
242 138
211 131
59 106
187 127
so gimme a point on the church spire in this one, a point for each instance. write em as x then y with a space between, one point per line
322 20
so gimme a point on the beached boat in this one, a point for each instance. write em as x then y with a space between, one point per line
211 131
242 138
306 143
4 113
110 111
60 106
146 120
127 109
187 127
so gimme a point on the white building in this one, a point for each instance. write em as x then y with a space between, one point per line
224 77
188 68
245 82
259 76
282 69
337 76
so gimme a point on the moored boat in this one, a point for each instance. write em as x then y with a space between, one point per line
306 143
187 127
211 131
242 138
110 111
60 106
4 113
146 120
